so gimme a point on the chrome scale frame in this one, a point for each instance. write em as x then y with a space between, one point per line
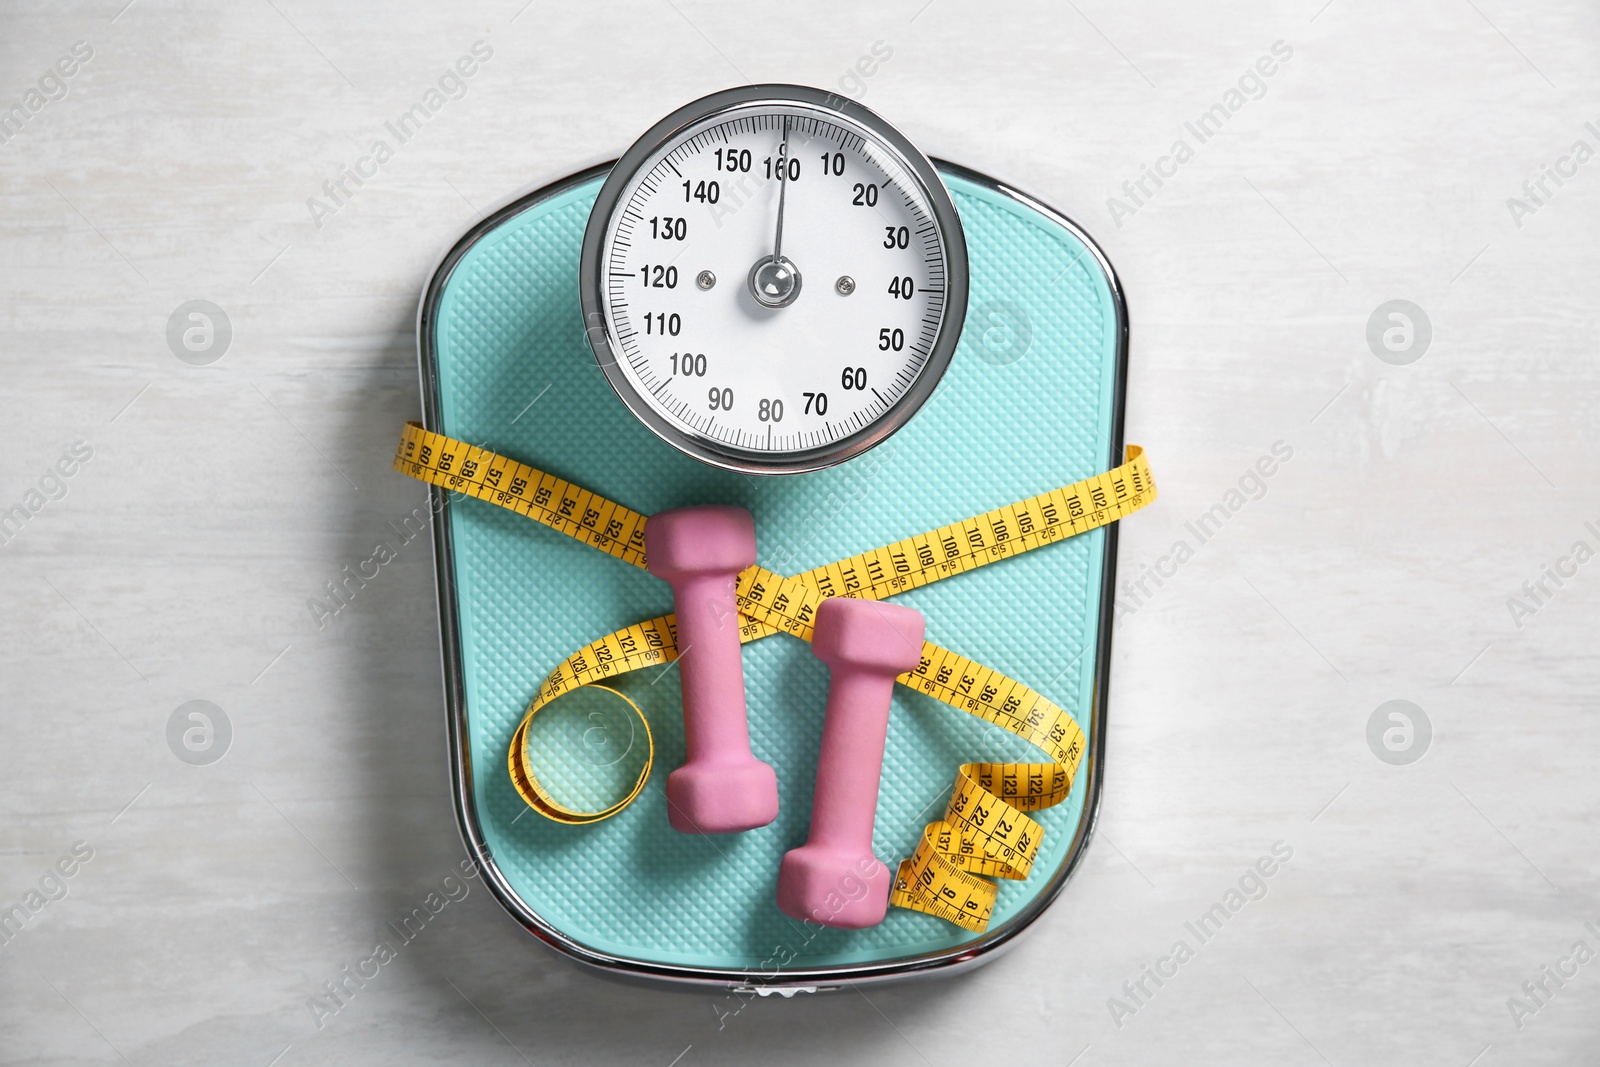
802 979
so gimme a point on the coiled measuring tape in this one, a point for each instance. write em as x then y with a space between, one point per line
985 829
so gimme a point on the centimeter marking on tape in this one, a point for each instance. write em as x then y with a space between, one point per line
950 550
544 498
985 830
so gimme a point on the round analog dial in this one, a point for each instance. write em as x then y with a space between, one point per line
774 279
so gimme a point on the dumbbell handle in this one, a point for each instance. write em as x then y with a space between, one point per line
715 719
850 761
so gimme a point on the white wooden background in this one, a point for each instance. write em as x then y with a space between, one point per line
1376 166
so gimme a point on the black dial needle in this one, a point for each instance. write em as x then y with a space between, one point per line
774 280
783 190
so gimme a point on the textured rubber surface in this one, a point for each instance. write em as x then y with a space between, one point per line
999 428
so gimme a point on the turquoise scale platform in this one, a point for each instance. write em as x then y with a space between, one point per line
1031 401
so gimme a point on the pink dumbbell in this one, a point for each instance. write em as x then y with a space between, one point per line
865 645
722 788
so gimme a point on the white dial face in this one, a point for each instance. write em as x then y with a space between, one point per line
761 355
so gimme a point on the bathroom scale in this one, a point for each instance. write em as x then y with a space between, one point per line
1030 398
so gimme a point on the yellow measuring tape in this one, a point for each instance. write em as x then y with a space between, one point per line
985 830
